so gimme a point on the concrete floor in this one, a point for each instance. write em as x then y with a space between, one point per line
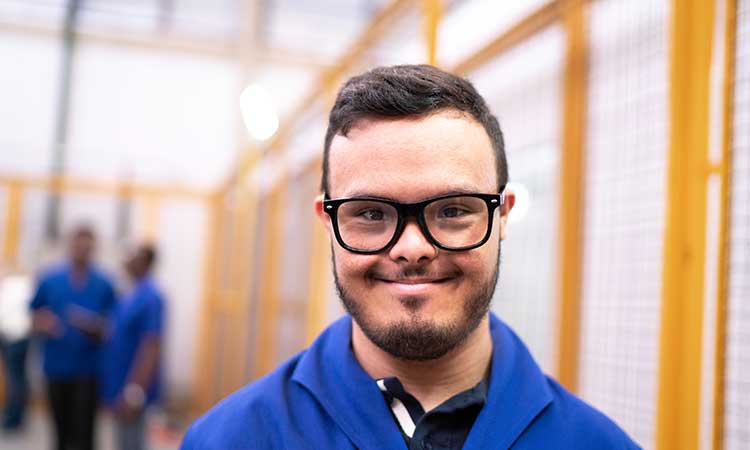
37 435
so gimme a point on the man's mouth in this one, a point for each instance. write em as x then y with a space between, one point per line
415 285
414 280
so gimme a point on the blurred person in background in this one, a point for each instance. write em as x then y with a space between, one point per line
70 309
15 324
130 374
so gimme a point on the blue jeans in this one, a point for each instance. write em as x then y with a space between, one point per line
131 434
16 385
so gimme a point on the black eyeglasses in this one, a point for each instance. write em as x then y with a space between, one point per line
454 222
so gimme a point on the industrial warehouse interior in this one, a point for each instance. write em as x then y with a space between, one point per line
196 128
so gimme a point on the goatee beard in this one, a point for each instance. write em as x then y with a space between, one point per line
419 339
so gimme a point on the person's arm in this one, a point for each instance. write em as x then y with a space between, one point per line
44 322
94 325
89 323
133 398
146 363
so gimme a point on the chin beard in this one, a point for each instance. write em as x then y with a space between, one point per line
418 339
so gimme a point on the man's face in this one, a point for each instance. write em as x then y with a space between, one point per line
81 249
414 300
135 263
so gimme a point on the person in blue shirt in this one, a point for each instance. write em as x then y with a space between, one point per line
414 200
69 315
130 371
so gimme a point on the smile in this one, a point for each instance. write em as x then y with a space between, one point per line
414 286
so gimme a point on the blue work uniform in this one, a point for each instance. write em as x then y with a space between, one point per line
138 316
72 355
323 399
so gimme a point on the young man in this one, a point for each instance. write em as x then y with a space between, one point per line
413 198
70 310
130 365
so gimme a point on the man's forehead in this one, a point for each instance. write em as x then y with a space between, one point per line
444 153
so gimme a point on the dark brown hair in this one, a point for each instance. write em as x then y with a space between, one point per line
409 91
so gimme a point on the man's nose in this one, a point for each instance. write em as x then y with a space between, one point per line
412 246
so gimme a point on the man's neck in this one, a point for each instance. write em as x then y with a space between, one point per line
79 269
430 382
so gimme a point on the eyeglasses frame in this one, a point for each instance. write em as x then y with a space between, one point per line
416 210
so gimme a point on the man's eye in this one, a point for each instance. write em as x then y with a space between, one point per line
452 211
372 214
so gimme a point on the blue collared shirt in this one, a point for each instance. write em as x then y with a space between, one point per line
72 354
138 316
322 398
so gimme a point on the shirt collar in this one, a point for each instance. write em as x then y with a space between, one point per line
518 391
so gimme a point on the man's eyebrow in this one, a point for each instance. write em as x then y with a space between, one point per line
449 191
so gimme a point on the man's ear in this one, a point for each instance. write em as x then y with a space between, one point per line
508 202
325 219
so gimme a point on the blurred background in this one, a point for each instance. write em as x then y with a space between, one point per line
198 126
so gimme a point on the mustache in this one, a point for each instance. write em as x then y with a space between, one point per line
411 273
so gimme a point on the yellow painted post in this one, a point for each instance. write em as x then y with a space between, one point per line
207 329
227 292
678 408
319 274
267 321
320 271
730 43
13 223
431 12
238 304
572 170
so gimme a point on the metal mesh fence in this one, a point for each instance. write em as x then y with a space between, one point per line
522 88
737 394
625 207
294 295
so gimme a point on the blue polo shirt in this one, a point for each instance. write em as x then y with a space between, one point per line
322 398
139 315
72 355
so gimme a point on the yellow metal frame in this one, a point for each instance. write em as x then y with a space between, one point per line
320 272
527 27
572 190
730 42
61 184
432 10
268 307
681 330
684 254
201 388
12 223
374 30
150 195
238 306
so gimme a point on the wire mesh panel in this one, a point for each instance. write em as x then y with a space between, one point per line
737 394
258 265
179 269
625 208
33 250
293 282
522 88
403 44
470 24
